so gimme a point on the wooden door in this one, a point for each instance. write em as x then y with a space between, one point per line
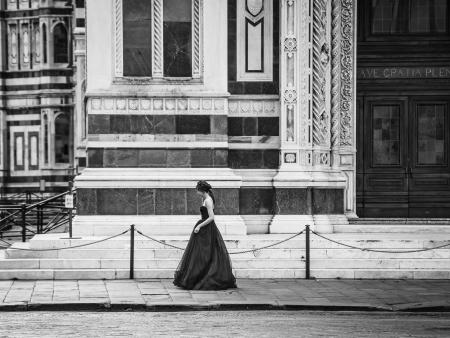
385 160
404 157
429 165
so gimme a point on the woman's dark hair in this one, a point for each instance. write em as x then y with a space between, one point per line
206 187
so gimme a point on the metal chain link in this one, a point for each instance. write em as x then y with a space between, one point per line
231 253
236 252
75 246
381 251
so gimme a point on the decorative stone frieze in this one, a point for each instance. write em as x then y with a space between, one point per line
253 107
157 105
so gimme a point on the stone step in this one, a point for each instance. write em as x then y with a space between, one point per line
141 253
239 263
392 228
59 264
381 273
138 273
43 274
409 221
380 240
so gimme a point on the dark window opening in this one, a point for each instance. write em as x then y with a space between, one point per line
60 44
137 40
44 43
62 138
177 38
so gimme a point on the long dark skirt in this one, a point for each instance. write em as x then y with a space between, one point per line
205 264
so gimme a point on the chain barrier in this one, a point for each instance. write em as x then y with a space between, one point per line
231 253
307 231
381 251
74 246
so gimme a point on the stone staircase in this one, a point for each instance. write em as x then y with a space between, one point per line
110 259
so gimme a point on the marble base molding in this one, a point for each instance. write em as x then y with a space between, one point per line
152 224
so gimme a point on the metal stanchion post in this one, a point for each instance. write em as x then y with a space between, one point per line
131 251
24 226
307 267
38 219
70 222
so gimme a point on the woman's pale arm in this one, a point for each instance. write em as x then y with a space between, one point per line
209 207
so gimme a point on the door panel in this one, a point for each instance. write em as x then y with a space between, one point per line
429 169
385 160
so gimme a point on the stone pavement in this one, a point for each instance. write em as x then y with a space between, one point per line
162 295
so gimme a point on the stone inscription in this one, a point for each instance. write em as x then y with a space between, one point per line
403 73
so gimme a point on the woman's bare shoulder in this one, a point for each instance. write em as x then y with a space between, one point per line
209 202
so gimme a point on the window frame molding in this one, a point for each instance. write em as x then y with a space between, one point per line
50 133
157 47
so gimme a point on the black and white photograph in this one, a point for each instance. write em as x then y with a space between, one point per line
225 168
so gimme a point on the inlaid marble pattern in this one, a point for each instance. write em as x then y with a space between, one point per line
253 126
253 158
163 201
157 158
229 201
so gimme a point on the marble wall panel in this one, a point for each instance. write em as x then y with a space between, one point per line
201 158
146 202
120 124
193 124
178 158
268 126
117 201
98 124
164 124
249 126
327 201
293 201
86 202
227 201
152 158
95 158
220 158
120 158
256 201
219 124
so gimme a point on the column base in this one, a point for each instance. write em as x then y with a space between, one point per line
290 224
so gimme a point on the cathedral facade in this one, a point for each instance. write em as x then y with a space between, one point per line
296 111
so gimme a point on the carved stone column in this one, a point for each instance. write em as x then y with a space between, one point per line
314 184
347 97
80 132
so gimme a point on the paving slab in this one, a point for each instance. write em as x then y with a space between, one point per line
162 295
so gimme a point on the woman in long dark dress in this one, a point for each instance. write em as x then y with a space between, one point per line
205 264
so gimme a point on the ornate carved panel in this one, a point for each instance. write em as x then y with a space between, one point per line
347 64
254 20
335 72
295 79
321 117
